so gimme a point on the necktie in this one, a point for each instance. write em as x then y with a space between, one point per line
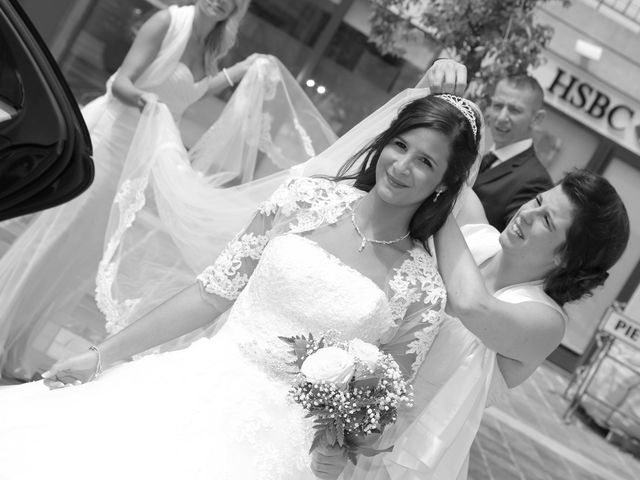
488 160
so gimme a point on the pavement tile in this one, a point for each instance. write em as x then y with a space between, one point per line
528 439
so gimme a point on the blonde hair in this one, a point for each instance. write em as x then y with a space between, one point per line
223 36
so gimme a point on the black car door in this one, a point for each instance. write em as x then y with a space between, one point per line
45 149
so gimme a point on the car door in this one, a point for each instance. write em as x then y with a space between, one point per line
45 149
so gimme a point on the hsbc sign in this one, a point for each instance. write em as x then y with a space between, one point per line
590 100
581 94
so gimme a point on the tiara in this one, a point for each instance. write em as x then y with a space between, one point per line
464 106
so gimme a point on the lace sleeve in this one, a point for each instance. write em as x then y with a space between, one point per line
417 300
229 274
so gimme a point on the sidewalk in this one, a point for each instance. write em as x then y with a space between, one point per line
524 438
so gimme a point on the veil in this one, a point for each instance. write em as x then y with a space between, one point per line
176 210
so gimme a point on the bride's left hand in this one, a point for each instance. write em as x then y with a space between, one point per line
328 463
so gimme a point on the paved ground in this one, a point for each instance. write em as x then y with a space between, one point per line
524 438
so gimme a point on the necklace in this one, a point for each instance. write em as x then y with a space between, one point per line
371 240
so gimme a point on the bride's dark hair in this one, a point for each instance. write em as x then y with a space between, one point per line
437 114
596 239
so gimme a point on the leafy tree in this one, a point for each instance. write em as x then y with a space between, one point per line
493 38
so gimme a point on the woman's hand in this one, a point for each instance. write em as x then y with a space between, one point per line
72 371
246 64
145 99
239 69
328 462
445 76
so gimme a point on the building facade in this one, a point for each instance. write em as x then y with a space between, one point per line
592 97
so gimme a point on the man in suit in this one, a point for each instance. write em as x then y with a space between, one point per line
511 174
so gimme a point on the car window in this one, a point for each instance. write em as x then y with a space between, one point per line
45 149
11 90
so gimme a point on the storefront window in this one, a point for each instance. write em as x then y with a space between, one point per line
563 144
352 79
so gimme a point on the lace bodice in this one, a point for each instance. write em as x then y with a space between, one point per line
286 284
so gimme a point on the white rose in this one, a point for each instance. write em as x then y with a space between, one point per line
329 364
367 353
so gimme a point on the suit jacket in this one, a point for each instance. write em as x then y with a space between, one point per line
504 188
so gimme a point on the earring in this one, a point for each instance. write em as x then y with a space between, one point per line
438 192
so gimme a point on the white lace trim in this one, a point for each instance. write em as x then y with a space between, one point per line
130 199
306 140
310 202
417 280
270 74
266 145
224 278
424 338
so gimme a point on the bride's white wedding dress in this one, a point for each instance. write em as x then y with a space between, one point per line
219 409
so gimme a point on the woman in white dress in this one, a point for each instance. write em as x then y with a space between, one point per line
557 248
47 277
318 256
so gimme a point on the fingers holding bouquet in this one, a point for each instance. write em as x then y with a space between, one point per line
352 391
328 462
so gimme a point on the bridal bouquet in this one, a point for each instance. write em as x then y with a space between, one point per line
351 389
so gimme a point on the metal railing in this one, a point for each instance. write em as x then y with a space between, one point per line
612 409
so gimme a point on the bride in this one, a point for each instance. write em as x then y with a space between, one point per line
317 256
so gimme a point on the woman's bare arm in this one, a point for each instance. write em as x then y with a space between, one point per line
181 314
471 209
143 51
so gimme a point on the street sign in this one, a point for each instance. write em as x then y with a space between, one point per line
623 328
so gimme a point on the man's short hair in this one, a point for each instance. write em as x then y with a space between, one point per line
527 82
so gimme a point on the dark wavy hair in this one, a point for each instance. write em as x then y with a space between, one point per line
596 239
437 114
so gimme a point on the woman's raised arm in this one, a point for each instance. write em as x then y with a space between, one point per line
526 332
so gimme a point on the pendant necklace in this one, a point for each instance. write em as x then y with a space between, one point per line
371 240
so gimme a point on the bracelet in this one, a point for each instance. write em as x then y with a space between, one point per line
226 75
98 364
